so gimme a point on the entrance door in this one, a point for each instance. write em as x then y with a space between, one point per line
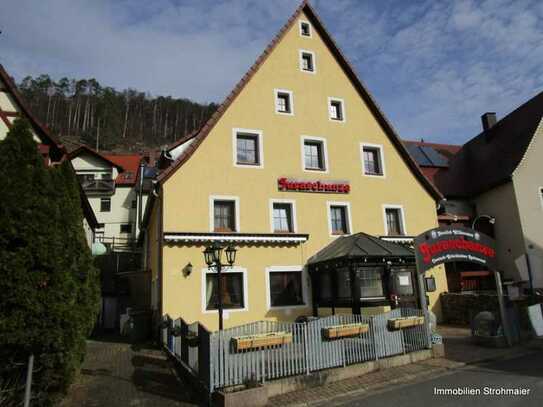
404 286
110 312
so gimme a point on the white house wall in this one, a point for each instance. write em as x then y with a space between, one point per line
121 211
500 202
528 181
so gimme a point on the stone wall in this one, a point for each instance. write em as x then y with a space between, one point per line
461 308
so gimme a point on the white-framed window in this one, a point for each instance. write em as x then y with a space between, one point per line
314 154
224 213
248 148
305 29
394 220
234 290
284 102
336 109
286 287
339 218
307 61
283 216
373 160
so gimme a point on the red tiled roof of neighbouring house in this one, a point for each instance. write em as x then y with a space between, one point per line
130 163
349 71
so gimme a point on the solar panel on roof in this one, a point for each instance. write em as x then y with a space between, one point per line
436 159
418 155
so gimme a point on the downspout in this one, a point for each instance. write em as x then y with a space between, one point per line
140 197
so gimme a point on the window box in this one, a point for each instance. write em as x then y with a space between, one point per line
252 342
345 330
395 324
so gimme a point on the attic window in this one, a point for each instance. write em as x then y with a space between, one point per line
283 102
307 61
305 29
336 110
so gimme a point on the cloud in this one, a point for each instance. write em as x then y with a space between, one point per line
434 67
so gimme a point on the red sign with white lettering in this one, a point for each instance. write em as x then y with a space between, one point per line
336 187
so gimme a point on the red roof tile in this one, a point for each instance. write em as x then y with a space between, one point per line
130 163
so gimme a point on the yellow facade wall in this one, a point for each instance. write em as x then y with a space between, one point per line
210 171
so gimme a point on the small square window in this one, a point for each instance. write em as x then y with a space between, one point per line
394 222
283 102
336 110
224 216
314 158
247 149
307 61
282 217
126 228
372 160
305 29
105 205
338 220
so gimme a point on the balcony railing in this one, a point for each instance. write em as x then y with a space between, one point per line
98 185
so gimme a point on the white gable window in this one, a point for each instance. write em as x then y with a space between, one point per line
336 109
307 61
305 29
373 163
247 148
284 102
314 154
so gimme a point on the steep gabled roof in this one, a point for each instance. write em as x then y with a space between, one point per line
490 159
43 132
85 149
306 8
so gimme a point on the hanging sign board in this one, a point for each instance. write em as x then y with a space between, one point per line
450 244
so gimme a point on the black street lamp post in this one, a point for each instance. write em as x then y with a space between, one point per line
213 258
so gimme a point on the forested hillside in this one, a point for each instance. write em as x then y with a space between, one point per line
100 116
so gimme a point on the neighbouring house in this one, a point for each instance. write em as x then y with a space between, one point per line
298 157
13 106
499 172
433 160
111 183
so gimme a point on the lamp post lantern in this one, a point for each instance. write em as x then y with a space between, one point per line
213 258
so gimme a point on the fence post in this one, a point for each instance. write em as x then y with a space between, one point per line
184 341
372 327
204 356
306 349
28 385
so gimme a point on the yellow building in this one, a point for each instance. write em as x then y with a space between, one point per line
296 156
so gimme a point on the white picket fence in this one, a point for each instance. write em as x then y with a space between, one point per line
308 351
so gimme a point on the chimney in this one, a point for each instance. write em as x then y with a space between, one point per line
488 120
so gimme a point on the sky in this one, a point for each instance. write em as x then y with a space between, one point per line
434 66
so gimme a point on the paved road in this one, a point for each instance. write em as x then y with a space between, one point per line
524 373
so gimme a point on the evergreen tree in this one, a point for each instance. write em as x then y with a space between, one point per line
48 284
